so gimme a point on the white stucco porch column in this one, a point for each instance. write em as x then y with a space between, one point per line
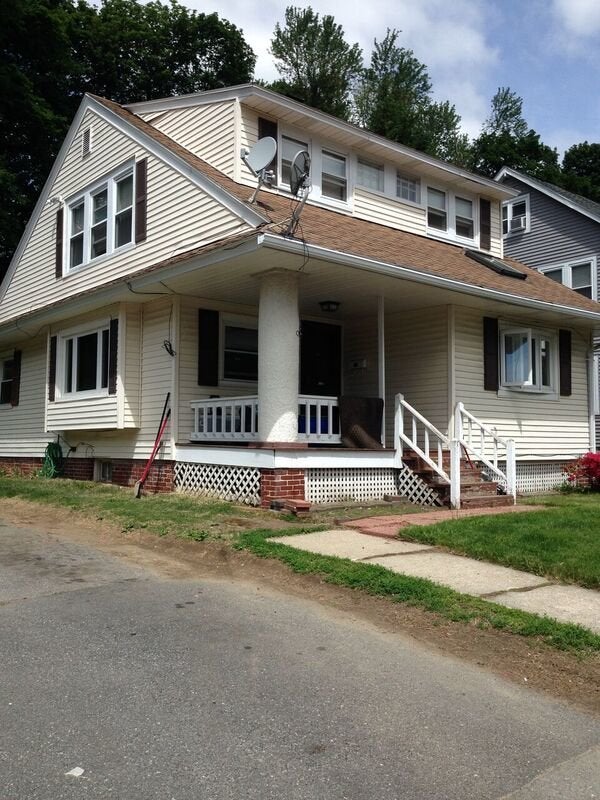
278 357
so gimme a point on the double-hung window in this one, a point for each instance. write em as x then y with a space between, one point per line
240 349
515 215
370 175
85 362
334 182
7 375
528 360
463 217
449 213
100 220
577 275
437 209
289 148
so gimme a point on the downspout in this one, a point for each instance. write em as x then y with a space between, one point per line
592 377
381 358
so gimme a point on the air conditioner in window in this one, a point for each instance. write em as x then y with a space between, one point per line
518 223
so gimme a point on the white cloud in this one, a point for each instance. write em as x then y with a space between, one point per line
580 17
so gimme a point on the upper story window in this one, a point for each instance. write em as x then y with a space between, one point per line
334 182
408 188
515 215
578 275
450 213
289 148
528 359
100 220
370 175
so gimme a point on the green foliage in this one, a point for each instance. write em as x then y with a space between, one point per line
581 170
424 594
393 98
317 65
506 115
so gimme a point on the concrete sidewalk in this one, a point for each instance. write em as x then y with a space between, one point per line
508 587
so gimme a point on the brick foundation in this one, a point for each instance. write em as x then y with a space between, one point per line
21 466
79 469
276 484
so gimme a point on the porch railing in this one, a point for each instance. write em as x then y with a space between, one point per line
420 436
236 419
486 446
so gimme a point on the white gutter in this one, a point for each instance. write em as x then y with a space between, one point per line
412 274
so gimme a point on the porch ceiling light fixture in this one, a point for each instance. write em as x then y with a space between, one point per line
331 306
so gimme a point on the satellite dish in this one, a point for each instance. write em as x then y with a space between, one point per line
299 171
261 155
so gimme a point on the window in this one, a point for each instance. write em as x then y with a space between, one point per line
450 214
370 175
333 176
437 215
101 220
515 215
289 148
240 350
528 360
577 275
7 375
407 188
85 359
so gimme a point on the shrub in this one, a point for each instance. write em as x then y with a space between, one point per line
584 473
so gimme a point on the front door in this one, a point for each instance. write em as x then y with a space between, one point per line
320 359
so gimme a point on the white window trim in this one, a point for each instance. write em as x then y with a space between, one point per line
567 272
367 162
508 204
527 387
410 177
238 321
450 233
61 361
110 181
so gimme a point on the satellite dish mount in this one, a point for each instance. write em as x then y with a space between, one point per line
258 159
300 186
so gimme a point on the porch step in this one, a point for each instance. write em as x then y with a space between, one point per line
486 500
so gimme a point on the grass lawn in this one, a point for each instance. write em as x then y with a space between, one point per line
560 541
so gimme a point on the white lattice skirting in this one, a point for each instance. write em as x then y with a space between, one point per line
236 484
537 476
338 485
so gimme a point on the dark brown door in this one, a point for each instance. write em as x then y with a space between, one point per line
320 359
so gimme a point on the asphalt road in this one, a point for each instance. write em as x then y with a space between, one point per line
196 689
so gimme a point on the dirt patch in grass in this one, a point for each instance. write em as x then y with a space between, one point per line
524 661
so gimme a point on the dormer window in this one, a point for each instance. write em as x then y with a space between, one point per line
450 215
437 214
289 148
334 183
408 188
515 216
100 220
370 175
463 215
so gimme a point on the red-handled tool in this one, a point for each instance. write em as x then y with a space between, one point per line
137 489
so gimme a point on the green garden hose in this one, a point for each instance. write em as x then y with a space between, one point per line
53 461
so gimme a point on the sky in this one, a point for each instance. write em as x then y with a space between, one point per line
544 50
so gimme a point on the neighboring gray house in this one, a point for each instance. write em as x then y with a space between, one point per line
555 231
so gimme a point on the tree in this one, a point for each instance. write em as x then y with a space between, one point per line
52 51
317 65
393 99
507 141
581 170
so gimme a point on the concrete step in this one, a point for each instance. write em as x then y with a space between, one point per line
486 501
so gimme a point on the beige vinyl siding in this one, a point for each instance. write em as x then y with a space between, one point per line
541 428
188 388
376 207
180 216
22 427
248 123
360 368
129 387
496 248
208 131
417 364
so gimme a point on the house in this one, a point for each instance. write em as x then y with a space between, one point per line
554 231
279 325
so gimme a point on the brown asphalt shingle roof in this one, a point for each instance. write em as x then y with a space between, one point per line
346 234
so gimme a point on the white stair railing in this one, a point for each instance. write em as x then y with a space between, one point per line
421 436
486 446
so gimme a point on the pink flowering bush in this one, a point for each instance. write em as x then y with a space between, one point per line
584 473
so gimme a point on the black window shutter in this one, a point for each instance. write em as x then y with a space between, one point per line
208 347
52 370
564 359
16 381
141 180
266 127
113 349
58 267
485 224
490 354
